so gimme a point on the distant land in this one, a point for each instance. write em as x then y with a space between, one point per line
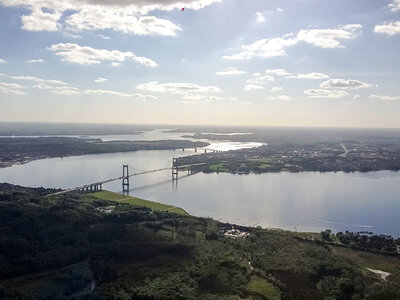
24 149
285 149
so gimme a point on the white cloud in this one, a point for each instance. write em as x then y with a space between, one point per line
285 74
276 89
36 79
279 9
322 38
42 86
120 94
260 79
388 28
385 97
329 38
100 80
265 48
230 71
252 87
11 88
84 55
176 88
65 91
204 98
129 16
322 93
33 61
115 64
95 19
344 84
2 61
395 6
283 97
103 37
312 75
278 72
357 96
260 17
280 97
40 20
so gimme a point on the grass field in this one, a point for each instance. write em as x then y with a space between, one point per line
261 287
366 260
106 195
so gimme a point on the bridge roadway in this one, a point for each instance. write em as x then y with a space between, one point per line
93 186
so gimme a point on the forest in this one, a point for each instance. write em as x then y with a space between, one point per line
70 247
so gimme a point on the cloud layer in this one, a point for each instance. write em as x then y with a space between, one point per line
128 16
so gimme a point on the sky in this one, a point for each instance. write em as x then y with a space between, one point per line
215 62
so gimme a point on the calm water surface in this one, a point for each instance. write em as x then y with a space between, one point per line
308 201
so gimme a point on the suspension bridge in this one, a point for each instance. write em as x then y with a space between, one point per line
98 186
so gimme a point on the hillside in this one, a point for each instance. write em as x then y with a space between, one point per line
108 246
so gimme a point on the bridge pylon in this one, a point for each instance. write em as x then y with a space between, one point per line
175 168
125 179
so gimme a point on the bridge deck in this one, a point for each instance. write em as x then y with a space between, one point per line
121 177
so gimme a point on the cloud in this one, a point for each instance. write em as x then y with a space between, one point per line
84 55
33 61
252 87
94 19
322 93
285 74
203 98
176 88
11 88
276 89
36 79
128 16
100 80
260 17
322 38
312 75
230 71
388 28
329 38
385 97
394 6
120 94
278 72
2 61
65 91
280 98
344 84
262 79
40 20
357 96
283 98
265 48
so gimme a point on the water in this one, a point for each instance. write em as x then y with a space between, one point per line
309 201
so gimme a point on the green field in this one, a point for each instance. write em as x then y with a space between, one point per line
106 195
261 287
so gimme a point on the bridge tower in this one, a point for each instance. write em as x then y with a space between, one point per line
125 179
174 168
